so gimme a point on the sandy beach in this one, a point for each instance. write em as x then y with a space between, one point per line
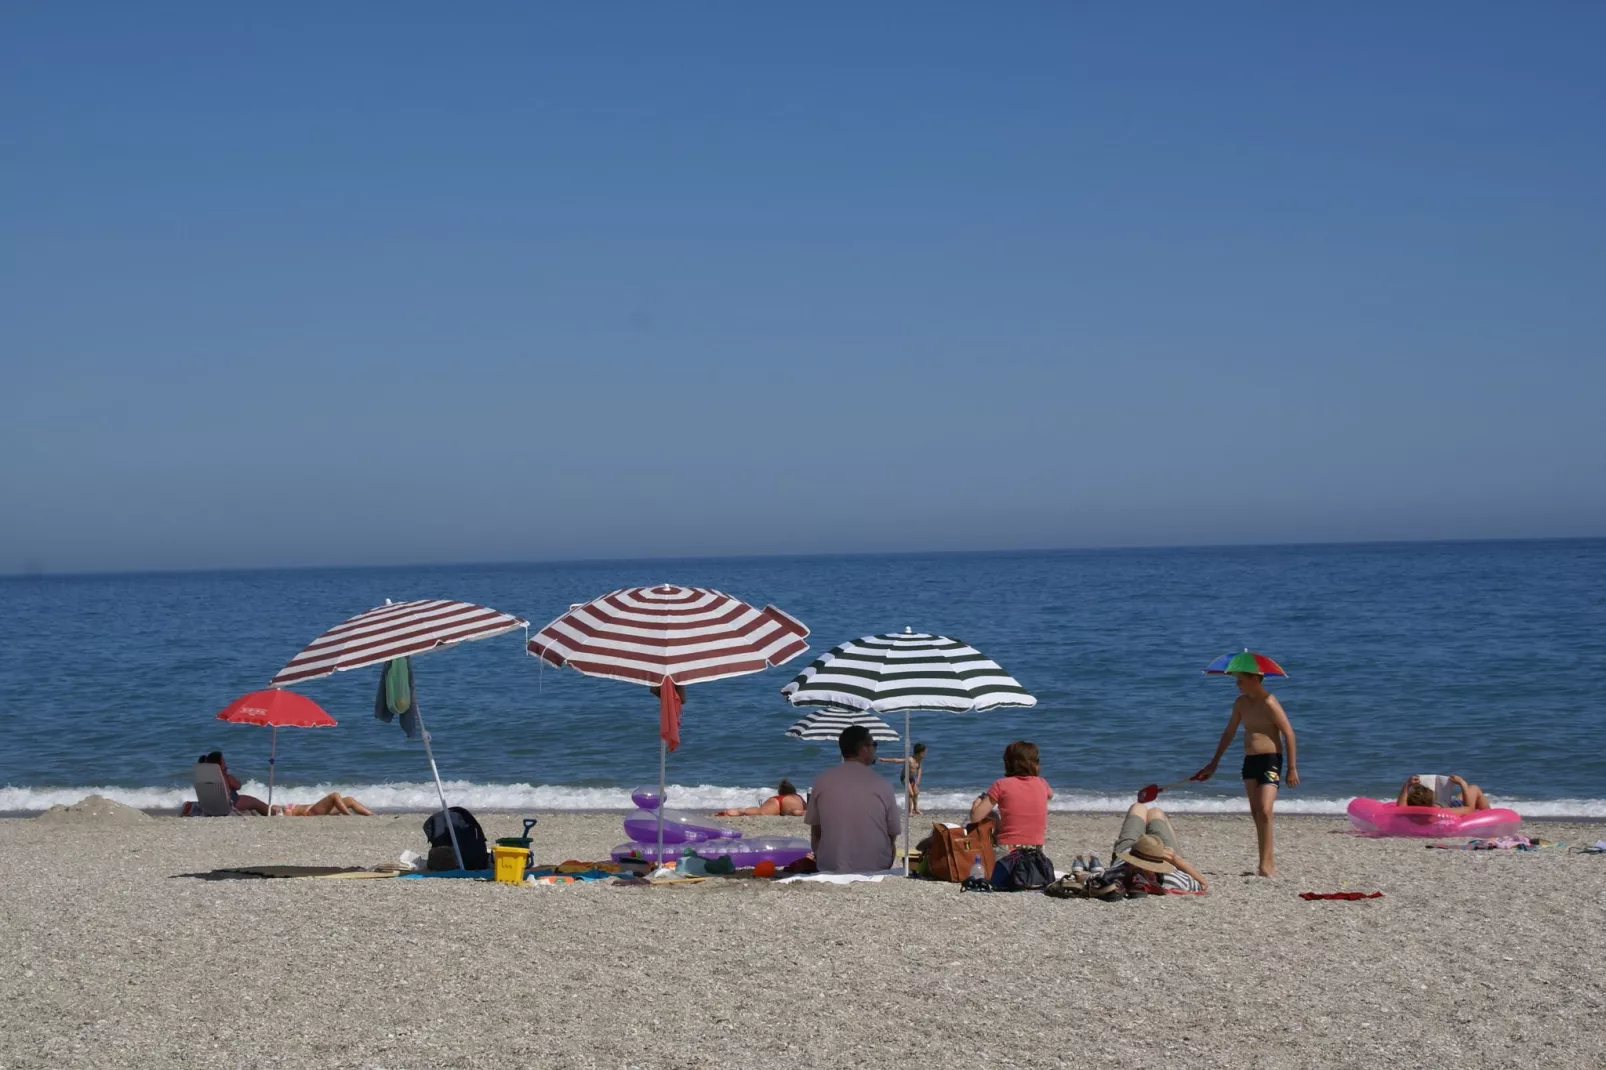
114 958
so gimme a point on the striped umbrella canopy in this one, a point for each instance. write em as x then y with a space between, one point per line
643 635
394 630
666 637
827 725
398 630
906 671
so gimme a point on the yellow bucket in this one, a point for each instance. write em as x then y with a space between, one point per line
510 863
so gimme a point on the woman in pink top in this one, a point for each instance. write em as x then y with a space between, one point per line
1019 799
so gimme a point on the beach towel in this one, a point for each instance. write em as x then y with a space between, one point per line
567 874
241 873
396 696
1343 896
1499 843
841 878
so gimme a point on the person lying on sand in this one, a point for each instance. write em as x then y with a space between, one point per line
1416 793
1146 860
333 803
786 803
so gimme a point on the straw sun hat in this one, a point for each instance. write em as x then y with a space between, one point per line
1148 853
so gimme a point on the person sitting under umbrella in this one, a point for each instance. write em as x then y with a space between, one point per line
245 804
333 803
785 803
852 813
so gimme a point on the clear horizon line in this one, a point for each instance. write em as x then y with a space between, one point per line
1023 551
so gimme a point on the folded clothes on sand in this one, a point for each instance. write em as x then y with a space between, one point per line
1345 896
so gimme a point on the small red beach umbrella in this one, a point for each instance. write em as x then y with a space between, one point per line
277 709
666 637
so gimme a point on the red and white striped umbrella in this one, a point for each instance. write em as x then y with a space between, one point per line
394 630
399 630
689 634
666 637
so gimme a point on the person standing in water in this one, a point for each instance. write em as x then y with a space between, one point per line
1267 737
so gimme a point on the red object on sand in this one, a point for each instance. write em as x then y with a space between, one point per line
1346 896
669 713
282 709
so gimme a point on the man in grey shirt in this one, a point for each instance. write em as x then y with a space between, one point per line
852 813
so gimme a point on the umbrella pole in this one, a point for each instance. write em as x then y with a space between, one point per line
663 751
273 752
446 813
908 805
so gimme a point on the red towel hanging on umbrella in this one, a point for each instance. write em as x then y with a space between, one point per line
670 696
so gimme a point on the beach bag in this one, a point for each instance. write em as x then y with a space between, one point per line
953 850
470 841
1024 869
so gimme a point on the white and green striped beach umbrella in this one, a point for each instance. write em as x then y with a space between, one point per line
906 671
827 726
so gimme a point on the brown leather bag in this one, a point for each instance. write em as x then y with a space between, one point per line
952 851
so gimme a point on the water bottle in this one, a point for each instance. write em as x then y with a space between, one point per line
976 873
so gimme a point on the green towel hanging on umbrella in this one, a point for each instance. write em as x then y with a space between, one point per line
396 696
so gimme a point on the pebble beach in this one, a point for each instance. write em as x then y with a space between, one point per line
115 956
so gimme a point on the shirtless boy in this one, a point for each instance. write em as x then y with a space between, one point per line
1266 734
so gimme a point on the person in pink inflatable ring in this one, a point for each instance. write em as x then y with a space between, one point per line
1415 793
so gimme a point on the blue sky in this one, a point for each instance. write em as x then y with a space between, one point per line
398 283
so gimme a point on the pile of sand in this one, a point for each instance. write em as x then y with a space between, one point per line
94 810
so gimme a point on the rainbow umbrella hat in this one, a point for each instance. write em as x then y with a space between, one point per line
1244 661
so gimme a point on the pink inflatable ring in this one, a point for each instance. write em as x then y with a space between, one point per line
1373 817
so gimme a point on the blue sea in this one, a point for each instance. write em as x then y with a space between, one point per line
1486 659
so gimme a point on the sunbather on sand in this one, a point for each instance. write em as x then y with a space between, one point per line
1415 793
786 803
333 803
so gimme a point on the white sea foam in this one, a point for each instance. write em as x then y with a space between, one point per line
420 796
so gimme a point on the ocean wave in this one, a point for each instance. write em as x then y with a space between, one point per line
420 796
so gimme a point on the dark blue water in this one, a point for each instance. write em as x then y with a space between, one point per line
1486 659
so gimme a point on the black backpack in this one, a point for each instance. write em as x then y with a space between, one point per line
470 841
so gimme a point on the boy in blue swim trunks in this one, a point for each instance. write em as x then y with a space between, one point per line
1267 736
